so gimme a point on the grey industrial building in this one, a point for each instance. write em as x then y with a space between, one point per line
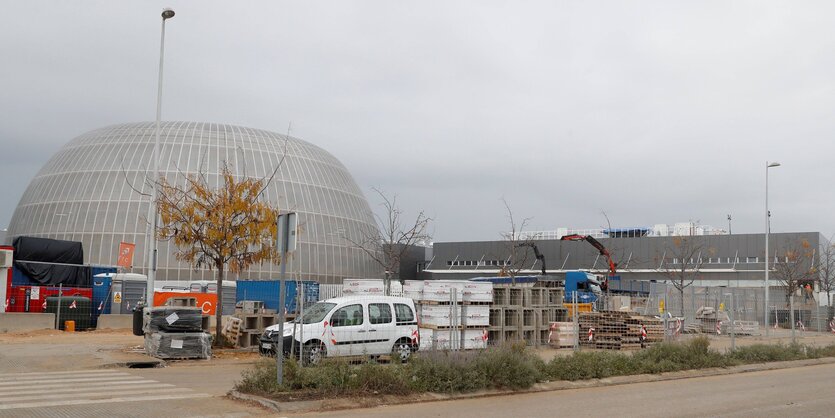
718 260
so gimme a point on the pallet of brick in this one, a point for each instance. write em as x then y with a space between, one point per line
354 287
475 315
441 290
478 292
413 289
438 315
474 339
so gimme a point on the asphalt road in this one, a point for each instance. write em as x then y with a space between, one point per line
798 392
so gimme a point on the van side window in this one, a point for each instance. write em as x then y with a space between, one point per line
346 316
404 313
379 313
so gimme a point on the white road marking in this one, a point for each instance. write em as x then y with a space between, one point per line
6 378
98 394
97 401
102 388
84 387
74 380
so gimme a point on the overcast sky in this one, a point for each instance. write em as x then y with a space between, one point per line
656 112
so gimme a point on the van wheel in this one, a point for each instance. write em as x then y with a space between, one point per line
402 351
314 352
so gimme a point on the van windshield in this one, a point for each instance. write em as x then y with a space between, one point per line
317 312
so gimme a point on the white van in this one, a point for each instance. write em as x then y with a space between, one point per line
349 326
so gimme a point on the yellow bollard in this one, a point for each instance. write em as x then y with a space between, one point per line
69 326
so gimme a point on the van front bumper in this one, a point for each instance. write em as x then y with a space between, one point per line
267 346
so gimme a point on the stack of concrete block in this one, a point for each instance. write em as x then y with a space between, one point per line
254 319
524 313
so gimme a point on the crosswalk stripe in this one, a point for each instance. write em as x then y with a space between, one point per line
126 381
103 387
4 379
98 401
16 375
95 395
74 380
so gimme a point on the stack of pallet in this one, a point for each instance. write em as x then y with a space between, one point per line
617 330
453 314
524 312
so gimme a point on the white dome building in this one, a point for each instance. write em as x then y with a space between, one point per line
85 193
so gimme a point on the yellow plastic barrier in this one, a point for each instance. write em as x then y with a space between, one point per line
581 307
69 326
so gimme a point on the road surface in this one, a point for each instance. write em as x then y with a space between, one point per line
797 392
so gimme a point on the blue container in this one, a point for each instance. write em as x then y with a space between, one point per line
267 291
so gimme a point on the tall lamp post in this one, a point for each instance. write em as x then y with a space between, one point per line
152 208
767 232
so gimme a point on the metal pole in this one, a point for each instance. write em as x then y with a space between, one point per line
767 232
732 317
301 315
152 209
574 317
282 290
791 316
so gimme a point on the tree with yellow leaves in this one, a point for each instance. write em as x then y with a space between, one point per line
218 228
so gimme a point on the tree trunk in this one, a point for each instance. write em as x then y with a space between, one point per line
219 307
681 298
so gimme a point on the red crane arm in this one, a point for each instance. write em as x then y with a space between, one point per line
603 251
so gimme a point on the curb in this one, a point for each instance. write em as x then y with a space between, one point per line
319 405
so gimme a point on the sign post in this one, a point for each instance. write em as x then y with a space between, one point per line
286 242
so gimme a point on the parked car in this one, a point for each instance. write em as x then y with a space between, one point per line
349 326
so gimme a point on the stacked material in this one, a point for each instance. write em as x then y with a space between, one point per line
522 312
618 330
176 332
252 319
562 334
370 287
454 314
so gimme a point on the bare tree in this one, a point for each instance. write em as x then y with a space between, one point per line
686 261
794 266
390 242
826 272
516 246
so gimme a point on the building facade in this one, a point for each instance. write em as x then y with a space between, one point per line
714 260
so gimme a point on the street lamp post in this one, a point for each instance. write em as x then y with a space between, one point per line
767 232
152 209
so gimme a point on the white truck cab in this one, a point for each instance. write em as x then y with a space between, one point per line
349 326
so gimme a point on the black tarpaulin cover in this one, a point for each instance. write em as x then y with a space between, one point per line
43 260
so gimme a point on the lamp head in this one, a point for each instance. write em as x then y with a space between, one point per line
774 164
167 14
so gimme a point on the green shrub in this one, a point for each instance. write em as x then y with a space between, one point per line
446 372
510 366
259 379
591 365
